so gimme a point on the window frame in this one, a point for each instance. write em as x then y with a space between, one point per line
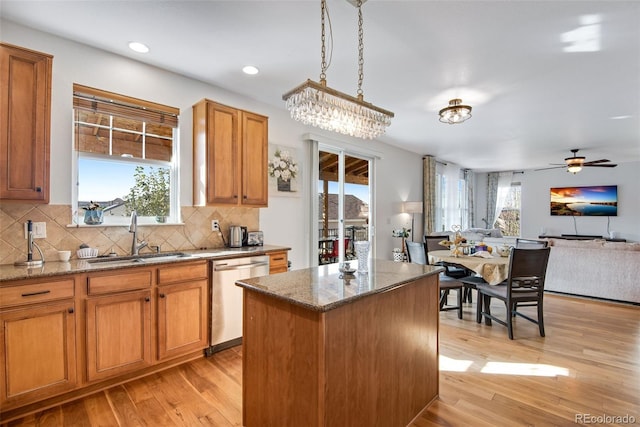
146 109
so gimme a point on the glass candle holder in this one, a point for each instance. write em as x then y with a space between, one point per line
362 254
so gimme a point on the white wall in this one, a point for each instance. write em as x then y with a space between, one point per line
535 201
284 222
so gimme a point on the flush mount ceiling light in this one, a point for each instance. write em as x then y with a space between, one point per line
138 47
318 105
455 113
250 69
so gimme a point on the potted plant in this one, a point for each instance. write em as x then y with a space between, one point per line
150 196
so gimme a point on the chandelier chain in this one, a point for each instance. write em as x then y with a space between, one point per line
323 65
360 51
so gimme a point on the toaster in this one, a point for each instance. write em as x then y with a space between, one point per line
255 238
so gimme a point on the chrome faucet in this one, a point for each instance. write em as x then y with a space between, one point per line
133 228
30 262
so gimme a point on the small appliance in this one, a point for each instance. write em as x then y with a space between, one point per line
237 235
255 238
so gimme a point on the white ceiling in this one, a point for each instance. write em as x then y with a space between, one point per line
532 100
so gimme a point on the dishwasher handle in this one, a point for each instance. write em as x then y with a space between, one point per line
225 267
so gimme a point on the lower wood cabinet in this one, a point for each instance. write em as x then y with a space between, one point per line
118 334
38 352
182 318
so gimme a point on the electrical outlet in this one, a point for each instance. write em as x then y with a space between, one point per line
215 225
39 230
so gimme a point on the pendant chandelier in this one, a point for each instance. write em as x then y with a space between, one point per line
455 113
318 105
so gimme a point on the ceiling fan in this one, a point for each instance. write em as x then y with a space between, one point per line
575 163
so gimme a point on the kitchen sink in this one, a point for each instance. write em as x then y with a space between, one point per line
138 259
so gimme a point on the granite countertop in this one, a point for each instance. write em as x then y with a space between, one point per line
324 288
9 272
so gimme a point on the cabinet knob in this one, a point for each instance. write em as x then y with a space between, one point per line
245 197
39 189
161 295
147 299
70 310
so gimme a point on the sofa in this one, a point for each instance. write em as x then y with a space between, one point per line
595 268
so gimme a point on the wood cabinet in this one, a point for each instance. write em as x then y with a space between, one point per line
118 334
182 309
118 322
25 115
278 262
62 336
229 155
37 341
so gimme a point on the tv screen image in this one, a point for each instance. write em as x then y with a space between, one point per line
597 200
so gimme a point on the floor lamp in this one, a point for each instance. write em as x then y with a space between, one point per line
412 208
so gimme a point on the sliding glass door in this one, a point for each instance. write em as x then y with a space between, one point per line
343 203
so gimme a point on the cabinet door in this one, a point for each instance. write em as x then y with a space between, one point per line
223 159
25 94
118 334
37 353
254 159
182 318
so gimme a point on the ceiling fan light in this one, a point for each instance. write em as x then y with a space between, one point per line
455 113
574 168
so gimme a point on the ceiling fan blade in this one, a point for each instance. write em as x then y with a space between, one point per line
552 167
610 165
596 161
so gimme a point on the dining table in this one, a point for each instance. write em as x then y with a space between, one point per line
494 269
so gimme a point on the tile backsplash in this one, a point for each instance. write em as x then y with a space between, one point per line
195 233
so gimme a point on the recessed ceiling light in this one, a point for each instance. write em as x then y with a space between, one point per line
250 69
138 47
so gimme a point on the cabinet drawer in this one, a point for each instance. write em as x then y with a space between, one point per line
278 262
129 281
182 273
37 292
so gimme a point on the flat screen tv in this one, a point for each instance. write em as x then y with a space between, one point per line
596 200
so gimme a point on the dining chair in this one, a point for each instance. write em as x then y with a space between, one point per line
524 287
417 254
530 243
432 243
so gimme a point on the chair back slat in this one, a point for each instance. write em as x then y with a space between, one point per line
432 243
531 244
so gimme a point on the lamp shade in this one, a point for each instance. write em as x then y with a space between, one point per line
412 207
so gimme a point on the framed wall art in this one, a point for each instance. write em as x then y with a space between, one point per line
284 171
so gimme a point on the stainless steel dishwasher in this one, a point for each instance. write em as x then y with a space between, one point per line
226 298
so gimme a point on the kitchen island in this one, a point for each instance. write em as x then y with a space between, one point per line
324 349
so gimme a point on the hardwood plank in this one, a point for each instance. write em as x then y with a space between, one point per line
591 355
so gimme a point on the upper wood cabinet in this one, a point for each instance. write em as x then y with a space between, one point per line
25 115
229 156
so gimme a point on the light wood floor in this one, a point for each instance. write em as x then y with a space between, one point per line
589 363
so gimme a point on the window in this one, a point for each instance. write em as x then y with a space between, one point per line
451 198
509 218
126 151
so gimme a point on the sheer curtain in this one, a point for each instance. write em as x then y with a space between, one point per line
452 198
499 184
